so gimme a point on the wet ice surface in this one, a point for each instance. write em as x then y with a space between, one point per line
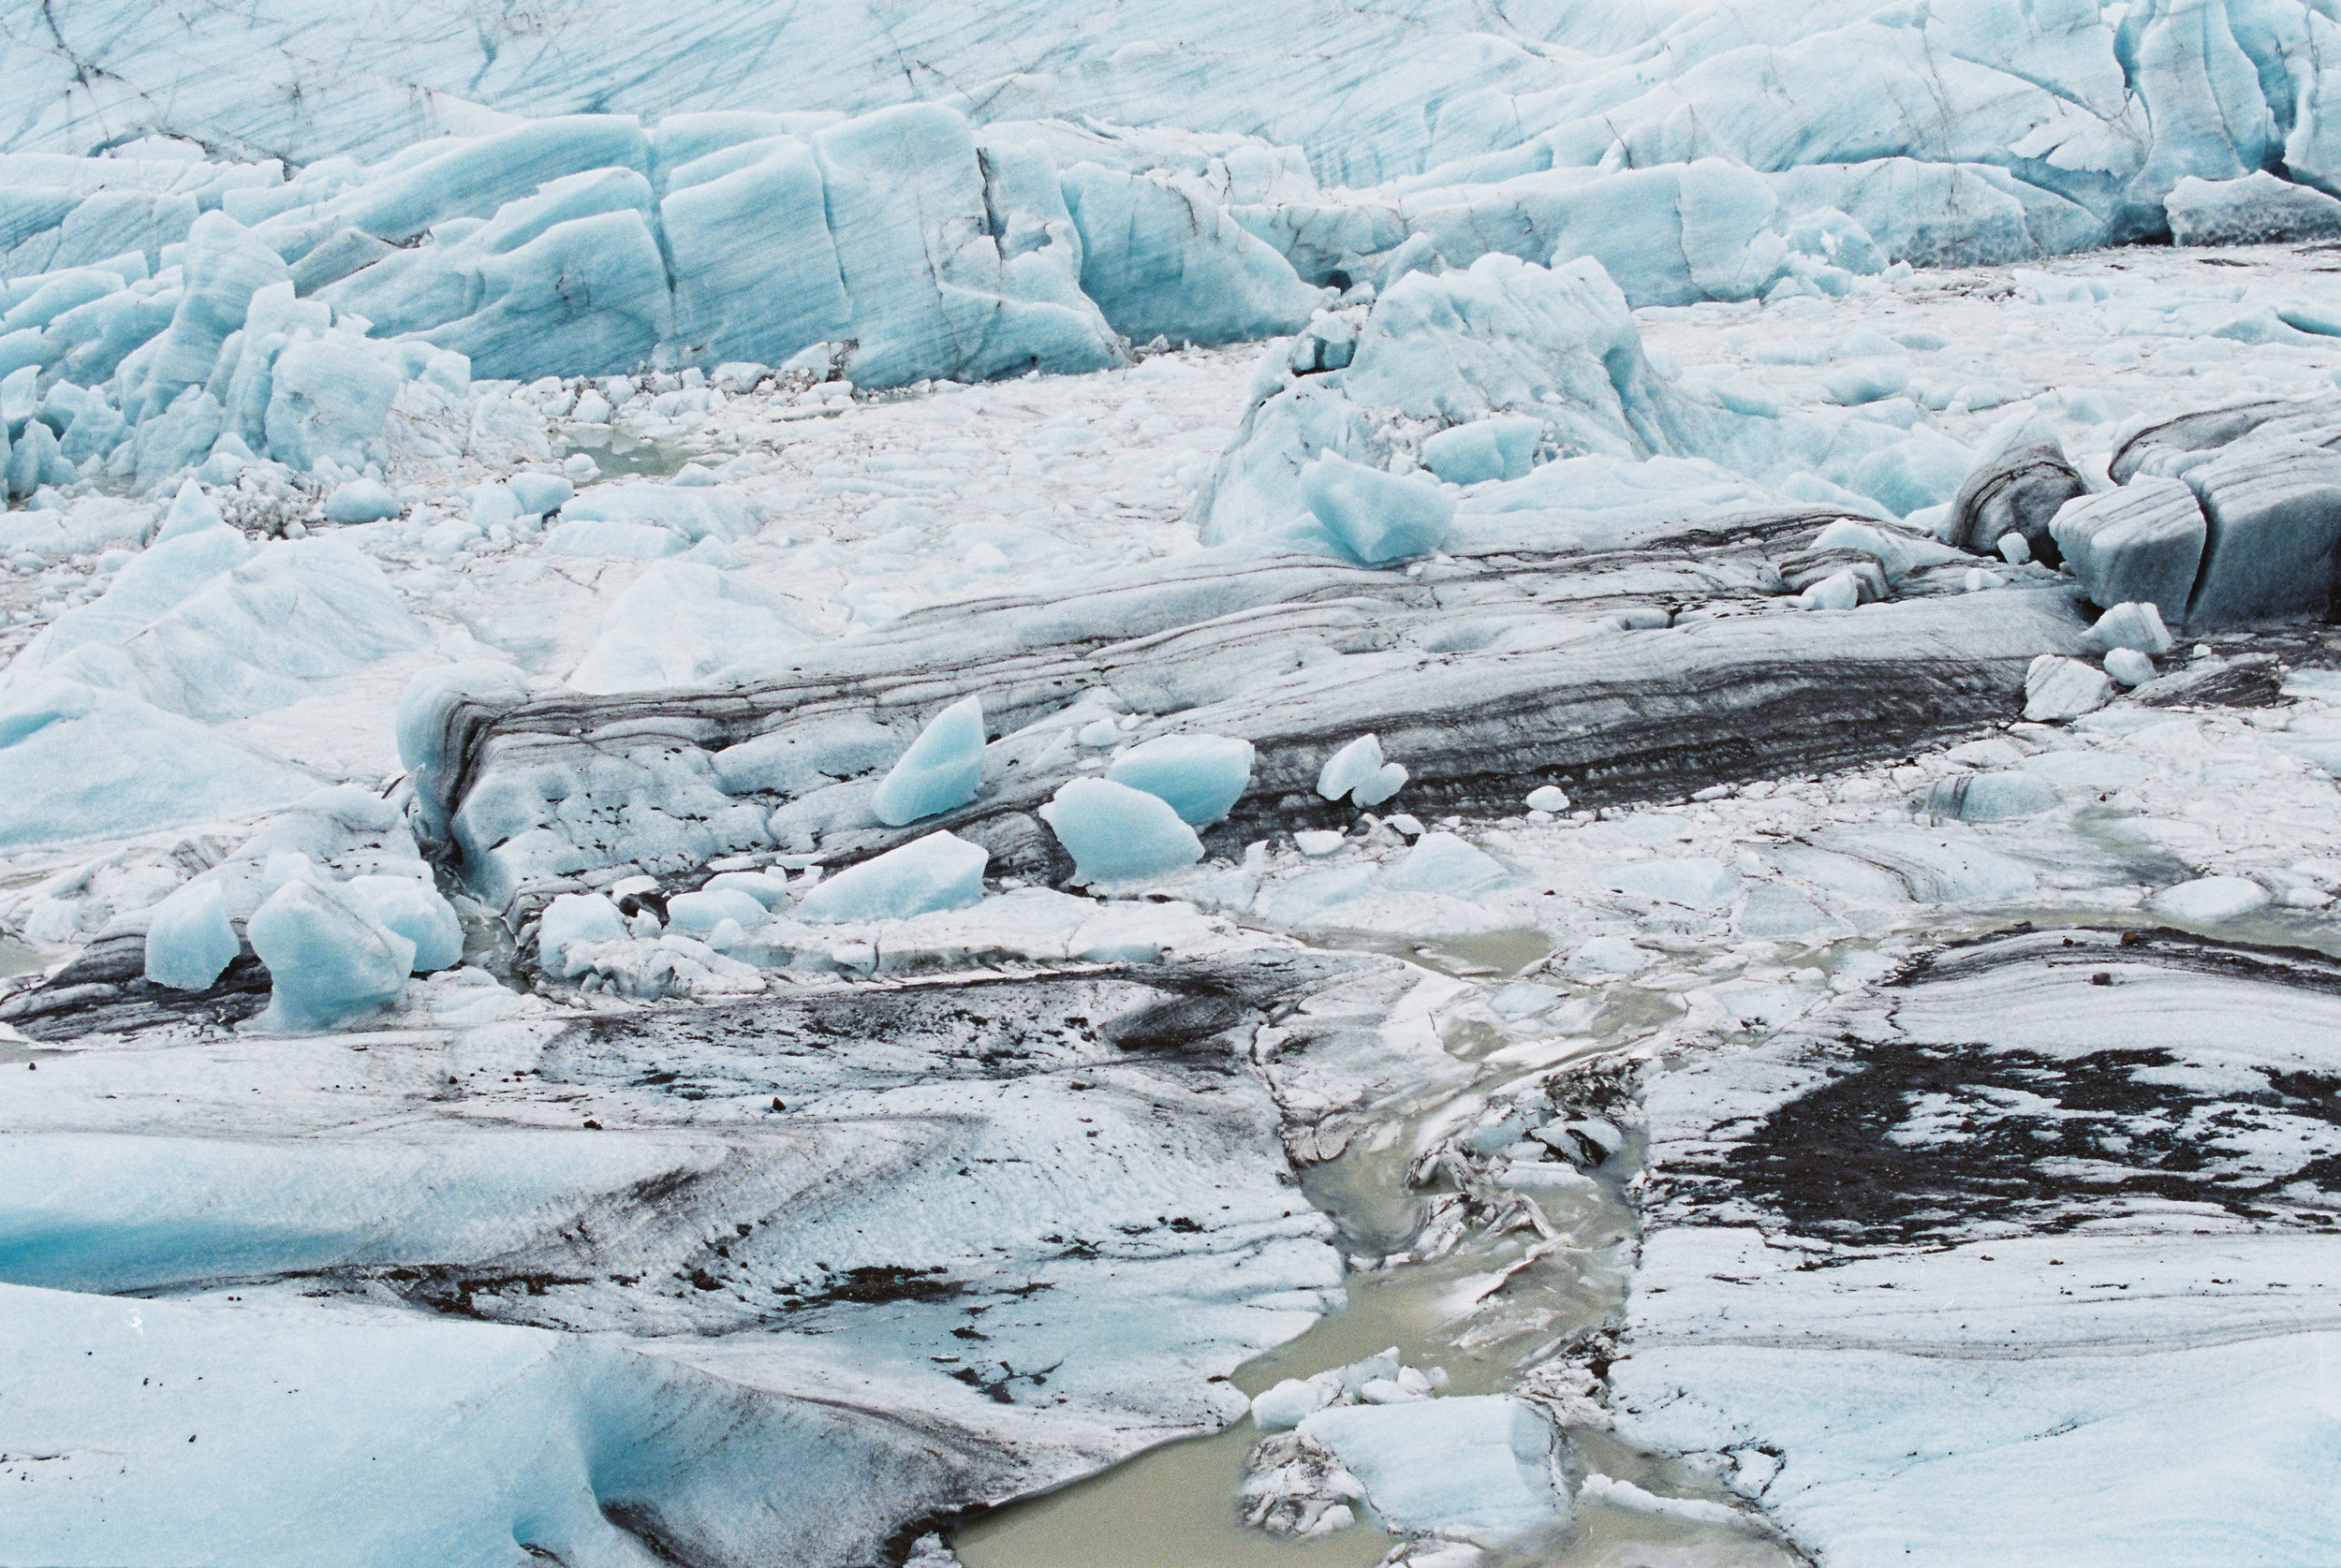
511 1161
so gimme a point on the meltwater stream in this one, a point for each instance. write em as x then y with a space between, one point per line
1175 1506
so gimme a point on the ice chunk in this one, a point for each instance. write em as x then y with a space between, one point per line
572 920
1358 771
708 908
1989 796
1498 449
1607 955
1289 1404
1115 833
1547 797
1377 517
2131 625
1693 880
2141 543
539 493
2060 688
326 961
327 401
429 729
943 768
693 513
188 939
936 872
1476 1466
769 889
361 500
2210 899
627 541
403 905
2128 666
2255 210
1201 776
1316 843
1161 259
1444 863
2273 514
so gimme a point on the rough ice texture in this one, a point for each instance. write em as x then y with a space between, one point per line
189 938
327 959
1479 1466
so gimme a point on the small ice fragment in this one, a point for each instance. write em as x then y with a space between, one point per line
1838 590
1498 449
2060 688
2013 549
1607 955
708 908
415 912
1406 823
572 919
326 960
936 872
189 942
1201 776
2129 667
2137 626
766 888
1979 580
361 500
539 493
1115 833
1315 842
2210 899
1547 797
1289 1404
1358 770
943 768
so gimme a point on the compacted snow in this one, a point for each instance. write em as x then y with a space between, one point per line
1565 772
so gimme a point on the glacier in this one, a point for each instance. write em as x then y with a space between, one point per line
845 786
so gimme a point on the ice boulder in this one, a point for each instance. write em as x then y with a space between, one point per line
188 939
361 500
1200 776
2017 489
2128 666
1162 259
2255 210
1116 834
328 398
1290 1402
2061 688
710 907
940 872
1444 863
2210 899
403 905
1375 516
943 768
2141 543
327 960
571 920
1358 771
1503 447
1477 1468
539 493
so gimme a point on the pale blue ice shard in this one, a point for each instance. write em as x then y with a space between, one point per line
943 769
937 873
539 493
361 500
1358 771
1375 517
1115 833
188 939
1201 776
326 961
1503 447
402 905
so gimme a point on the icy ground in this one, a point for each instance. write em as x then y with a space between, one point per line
557 1249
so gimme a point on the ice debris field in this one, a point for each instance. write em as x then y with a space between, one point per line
1305 785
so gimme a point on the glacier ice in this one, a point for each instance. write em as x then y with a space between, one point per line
572 920
1200 776
940 872
1358 771
189 940
943 768
1375 518
1116 833
328 960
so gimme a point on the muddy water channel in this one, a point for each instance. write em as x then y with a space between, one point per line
1483 1313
